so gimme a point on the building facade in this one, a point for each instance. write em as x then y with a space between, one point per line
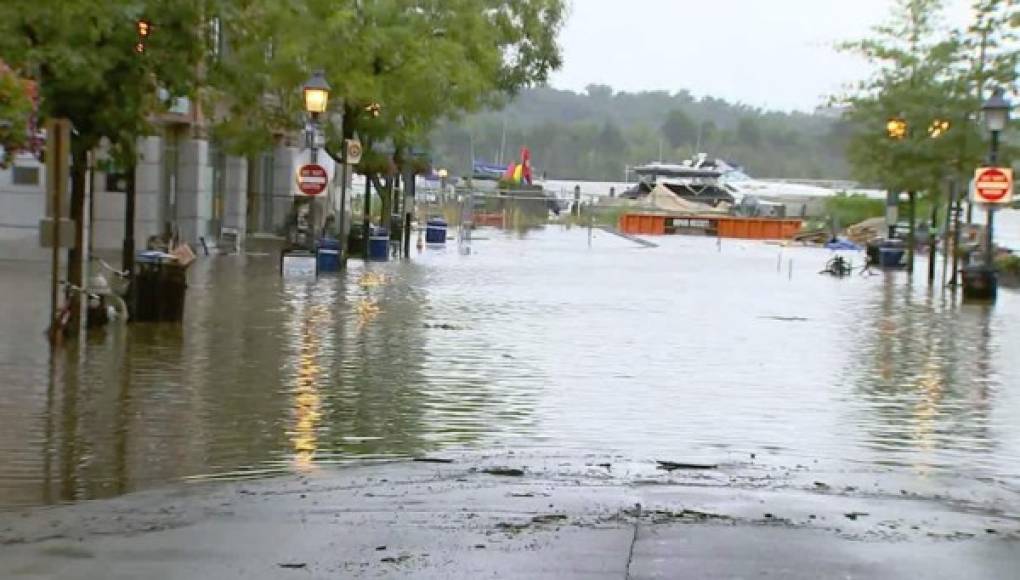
185 184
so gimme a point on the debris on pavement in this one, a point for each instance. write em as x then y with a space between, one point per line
504 471
673 465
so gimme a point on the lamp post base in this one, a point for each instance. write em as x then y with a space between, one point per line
980 283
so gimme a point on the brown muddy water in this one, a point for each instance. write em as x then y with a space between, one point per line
532 341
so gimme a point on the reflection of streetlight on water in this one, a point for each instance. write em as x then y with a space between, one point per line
311 346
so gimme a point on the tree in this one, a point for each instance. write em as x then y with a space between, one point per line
15 114
921 78
794 145
93 67
749 132
679 129
396 66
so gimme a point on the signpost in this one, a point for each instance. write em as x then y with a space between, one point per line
993 186
312 179
354 151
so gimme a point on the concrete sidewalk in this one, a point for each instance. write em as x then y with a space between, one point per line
563 518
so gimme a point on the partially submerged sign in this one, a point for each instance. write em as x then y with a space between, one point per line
993 185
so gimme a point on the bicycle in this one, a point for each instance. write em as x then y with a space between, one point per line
97 295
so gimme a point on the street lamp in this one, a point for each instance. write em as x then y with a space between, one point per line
896 128
996 110
316 92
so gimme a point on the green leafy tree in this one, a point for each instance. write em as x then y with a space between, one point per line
679 128
396 67
921 78
749 132
15 114
89 67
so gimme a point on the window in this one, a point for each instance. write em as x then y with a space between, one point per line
25 175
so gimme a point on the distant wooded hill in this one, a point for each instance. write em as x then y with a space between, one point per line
595 135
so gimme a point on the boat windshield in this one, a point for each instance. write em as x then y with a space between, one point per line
736 175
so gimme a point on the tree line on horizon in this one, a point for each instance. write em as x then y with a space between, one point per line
598 134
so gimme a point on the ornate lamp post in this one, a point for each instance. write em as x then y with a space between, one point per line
996 110
316 93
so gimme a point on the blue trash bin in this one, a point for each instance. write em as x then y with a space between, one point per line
327 255
435 231
379 244
890 257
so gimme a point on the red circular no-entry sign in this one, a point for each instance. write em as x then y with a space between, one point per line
312 179
993 185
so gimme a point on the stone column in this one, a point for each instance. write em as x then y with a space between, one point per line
283 184
194 190
235 199
148 190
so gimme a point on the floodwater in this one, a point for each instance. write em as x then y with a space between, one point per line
532 341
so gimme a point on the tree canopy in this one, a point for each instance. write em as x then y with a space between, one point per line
15 114
396 67
90 68
934 81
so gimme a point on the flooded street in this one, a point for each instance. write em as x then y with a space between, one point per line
687 351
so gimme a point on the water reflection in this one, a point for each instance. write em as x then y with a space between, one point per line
311 348
926 384
531 340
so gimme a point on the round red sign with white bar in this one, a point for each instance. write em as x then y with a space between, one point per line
312 179
993 185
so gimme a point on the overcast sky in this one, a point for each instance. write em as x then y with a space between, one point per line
775 54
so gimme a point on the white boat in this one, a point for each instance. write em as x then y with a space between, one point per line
757 196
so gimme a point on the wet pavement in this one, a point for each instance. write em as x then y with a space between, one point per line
534 341
858 428
560 516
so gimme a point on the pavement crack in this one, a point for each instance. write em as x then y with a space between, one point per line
630 553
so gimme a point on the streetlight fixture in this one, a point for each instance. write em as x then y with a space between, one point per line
938 128
144 28
996 110
896 128
316 93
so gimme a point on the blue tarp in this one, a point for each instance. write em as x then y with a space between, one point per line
842 244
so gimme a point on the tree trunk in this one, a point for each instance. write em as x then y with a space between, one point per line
932 231
75 273
386 207
127 259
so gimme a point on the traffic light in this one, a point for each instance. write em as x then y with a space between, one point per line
144 28
896 128
938 128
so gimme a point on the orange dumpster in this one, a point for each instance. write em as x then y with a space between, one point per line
747 228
